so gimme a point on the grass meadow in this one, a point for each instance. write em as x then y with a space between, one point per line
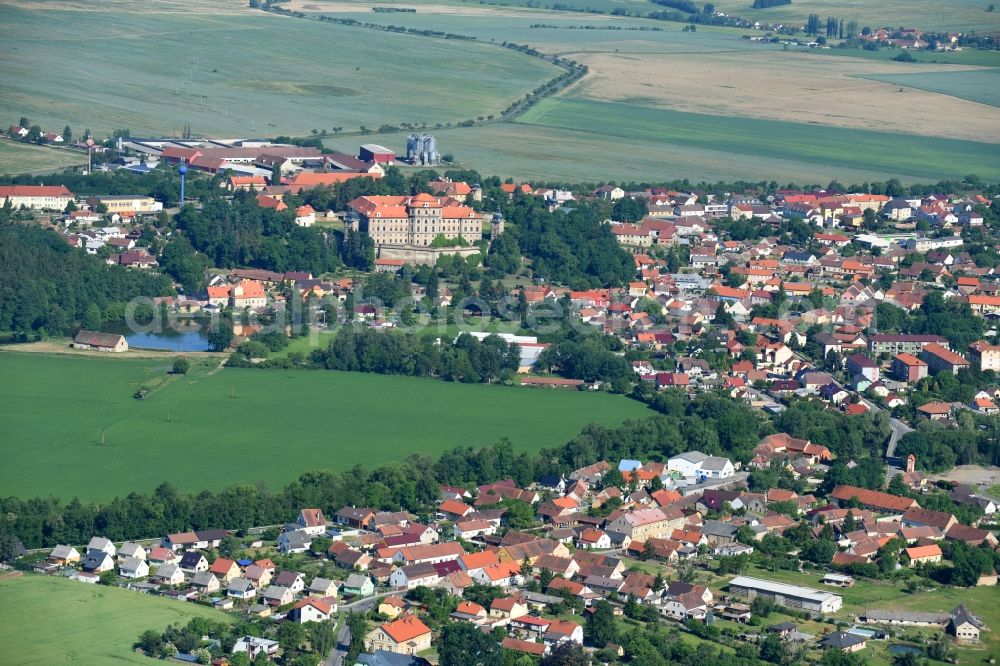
208 431
978 85
21 158
243 74
52 620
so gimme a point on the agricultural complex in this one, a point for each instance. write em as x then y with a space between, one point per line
232 422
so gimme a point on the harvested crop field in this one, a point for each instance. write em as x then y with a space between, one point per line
801 88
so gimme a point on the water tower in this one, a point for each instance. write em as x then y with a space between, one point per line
182 169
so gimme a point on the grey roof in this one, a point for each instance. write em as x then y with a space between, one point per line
131 563
715 462
539 598
320 584
842 640
356 580
240 585
166 571
62 552
275 592
883 615
691 456
99 543
791 591
298 537
718 528
95 558
781 626
131 549
961 615
203 578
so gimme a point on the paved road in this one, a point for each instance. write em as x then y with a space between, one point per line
339 655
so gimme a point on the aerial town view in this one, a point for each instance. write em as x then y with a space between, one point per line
500 332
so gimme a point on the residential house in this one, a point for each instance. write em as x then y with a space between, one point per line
254 646
169 574
276 595
312 521
359 585
206 582
64 555
928 554
98 561
964 625
226 569
193 562
312 609
322 587
133 567
405 635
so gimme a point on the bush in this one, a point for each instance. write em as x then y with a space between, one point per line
181 366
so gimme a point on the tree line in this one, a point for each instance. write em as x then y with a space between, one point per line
361 349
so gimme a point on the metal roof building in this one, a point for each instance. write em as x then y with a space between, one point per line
793 596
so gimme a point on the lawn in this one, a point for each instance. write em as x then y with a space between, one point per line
208 431
276 75
51 620
981 85
25 158
764 141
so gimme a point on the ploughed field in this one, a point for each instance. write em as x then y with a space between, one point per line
72 427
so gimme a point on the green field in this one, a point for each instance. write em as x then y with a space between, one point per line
766 140
203 431
539 153
50 620
982 85
23 158
153 72
945 16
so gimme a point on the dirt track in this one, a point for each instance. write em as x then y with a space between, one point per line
49 347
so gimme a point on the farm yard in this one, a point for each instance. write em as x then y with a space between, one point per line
208 431
26 158
83 624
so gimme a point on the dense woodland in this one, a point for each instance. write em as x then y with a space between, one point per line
47 287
